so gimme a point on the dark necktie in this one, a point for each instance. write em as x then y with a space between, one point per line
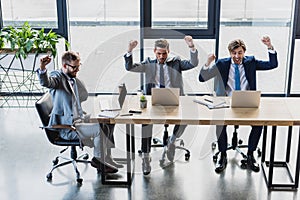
161 76
237 77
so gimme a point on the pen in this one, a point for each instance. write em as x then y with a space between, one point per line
208 100
126 114
117 109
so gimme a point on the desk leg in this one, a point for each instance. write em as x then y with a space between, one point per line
288 146
298 163
264 143
272 155
129 158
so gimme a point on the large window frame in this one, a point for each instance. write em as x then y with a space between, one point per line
62 19
151 33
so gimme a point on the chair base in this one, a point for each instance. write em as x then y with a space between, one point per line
69 160
236 145
158 143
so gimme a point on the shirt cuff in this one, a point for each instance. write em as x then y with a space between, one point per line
41 71
271 51
193 50
128 54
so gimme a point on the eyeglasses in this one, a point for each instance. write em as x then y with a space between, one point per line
74 67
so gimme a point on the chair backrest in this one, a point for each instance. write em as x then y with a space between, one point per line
44 107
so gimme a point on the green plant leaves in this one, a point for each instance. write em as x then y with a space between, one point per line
26 40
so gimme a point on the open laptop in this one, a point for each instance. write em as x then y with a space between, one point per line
245 99
112 109
165 96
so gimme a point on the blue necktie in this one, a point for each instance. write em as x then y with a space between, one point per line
237 77
162 76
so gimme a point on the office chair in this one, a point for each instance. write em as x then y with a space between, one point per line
235 145
44 107
163 143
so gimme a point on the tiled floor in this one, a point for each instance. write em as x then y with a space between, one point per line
26 157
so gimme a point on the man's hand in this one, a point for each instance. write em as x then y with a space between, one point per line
132 45
189 41
211 57
44 61
267 41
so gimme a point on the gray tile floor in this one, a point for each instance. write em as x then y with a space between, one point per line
26 157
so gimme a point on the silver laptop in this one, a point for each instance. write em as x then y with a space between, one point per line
165 96
112 111
245 99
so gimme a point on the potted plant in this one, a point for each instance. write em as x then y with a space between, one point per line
143 101
25 40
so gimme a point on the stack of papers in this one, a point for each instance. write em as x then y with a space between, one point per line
113 113
212 102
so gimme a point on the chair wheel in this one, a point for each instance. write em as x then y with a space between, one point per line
79 181
49 177
140 151
213 145
55 161
215 158
244 164
259 153
155 141
240 141
187 156
85 157
182 143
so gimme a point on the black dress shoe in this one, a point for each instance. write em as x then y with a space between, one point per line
251 162
110 160
108 168
221 163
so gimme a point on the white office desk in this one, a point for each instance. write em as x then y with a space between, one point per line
272 112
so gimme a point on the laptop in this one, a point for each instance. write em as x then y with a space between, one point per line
245 99
165 96
107 106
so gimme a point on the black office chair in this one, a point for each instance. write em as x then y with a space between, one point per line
163 143
44 107
237 145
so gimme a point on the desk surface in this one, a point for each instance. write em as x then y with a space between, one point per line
279 111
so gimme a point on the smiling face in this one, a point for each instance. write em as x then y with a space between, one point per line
237 49
237 55
71 63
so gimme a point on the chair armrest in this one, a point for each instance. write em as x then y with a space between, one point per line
60 126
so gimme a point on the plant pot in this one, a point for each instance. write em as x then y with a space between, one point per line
143 104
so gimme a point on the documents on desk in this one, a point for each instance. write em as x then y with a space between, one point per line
109 113
212 102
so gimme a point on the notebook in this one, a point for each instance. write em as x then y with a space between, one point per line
165 96
211 102
245 99
112 109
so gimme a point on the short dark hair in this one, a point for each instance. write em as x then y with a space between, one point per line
161 43
234 44
69 56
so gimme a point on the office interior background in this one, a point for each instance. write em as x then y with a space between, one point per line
100 31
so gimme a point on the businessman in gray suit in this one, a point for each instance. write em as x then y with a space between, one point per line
68 92
163 71
237 72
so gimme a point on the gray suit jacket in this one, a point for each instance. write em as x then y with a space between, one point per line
57 82
175 67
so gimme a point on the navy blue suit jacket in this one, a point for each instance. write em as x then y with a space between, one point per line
220 71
